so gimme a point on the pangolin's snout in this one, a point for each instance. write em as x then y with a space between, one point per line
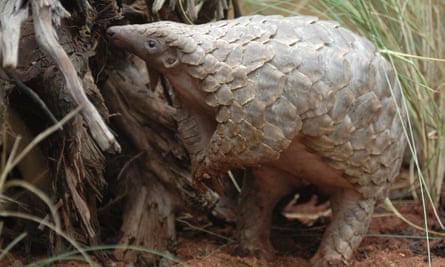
111 32
120 37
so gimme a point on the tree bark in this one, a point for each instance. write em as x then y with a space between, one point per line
97 189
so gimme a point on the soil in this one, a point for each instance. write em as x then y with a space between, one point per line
208 242
390 242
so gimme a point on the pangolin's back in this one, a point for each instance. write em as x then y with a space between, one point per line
273 78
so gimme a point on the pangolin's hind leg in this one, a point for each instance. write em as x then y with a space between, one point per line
351 217
262 188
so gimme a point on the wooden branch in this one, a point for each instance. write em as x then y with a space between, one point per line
12 14
159 183
148 220
43 12
145 122
78 165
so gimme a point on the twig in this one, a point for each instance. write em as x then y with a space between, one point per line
204 230
42 16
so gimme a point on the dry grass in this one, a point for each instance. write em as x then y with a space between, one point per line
410 34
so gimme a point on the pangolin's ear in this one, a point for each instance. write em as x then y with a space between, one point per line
170 59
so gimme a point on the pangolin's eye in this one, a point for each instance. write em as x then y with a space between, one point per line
151 43
153 46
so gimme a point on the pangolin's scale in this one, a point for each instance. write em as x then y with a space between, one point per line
271 78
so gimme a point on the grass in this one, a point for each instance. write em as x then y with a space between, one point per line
12 159
74 255
410 33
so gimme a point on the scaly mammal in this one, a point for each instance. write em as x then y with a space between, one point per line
296 99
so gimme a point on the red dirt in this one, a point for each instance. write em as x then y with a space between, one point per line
390 242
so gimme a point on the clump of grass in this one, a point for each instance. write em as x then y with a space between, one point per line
410 33
12 159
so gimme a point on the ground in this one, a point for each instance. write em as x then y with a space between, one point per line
207 242
390 242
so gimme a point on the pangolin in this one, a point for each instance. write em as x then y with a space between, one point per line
295 100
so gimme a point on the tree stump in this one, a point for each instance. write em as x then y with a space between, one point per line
118 173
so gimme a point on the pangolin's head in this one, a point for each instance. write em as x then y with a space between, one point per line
169 48
151 42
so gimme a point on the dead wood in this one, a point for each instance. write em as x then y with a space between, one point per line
76 162
43 15
158 183
68 62
12 14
